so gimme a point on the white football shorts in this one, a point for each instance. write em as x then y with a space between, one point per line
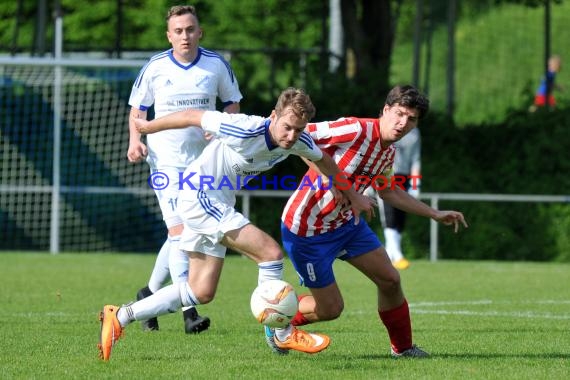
165 182
206 221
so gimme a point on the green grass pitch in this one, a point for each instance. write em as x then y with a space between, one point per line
479 320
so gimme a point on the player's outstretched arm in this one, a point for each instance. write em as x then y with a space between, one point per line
176 120
405 202
451 218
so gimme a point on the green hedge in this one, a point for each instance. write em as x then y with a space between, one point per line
528 154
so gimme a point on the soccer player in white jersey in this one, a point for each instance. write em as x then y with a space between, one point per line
244 146
185 76
317 228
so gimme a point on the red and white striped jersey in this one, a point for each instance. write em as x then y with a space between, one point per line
355 145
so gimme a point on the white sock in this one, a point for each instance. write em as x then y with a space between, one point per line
273 270
270 270
160 272
283 333
187 296
166 300
393 244
178 263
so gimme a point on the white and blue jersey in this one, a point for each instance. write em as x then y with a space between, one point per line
241 150
172 86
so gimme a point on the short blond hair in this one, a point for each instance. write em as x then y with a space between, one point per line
179 10
299 102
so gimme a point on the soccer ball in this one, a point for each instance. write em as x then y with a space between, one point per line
274 303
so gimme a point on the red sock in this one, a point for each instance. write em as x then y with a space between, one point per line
399 326
299 319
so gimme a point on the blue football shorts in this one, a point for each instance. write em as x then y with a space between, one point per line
313 256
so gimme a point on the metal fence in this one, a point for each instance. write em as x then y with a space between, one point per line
62 173
433 198
48 133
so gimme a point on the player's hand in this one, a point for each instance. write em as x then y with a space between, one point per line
137 152
339 197
361 203
143 127
370 192
451 218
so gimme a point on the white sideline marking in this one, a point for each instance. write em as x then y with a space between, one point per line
488 302
422 308
31 314
516 314
444 303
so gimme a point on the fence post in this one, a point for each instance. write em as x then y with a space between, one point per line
57 105
433 232
245 204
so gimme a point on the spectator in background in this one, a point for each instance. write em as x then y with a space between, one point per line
407 163
185 76
544 94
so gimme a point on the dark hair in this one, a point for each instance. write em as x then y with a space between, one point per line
179 10
409 96
298 100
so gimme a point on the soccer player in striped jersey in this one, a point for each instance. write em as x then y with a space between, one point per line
318 227
185 76
244 146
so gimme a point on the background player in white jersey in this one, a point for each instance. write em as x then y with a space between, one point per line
185 76
244 146
407 164
317 228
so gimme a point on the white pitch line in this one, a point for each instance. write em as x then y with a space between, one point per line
527 314
58 314
449 303
489 302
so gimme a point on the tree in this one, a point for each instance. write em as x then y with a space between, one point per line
247 24
369 38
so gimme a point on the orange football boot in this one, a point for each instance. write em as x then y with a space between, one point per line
111 331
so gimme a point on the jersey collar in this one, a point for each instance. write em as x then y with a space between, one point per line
268 142
181 65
